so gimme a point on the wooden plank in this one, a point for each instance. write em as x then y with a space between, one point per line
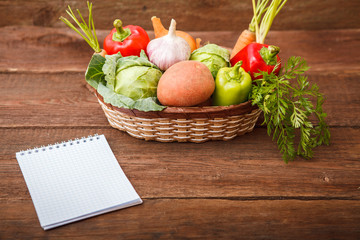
197 219
38 49
61 99
200 15
249 166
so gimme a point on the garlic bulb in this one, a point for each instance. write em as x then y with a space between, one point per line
169 49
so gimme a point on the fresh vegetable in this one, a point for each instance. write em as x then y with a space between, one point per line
258 58
160 31
213 56
135 77
89 33
143 104
128 40
232 86
246 37
264 13
126 82
186 83
287 102
169 49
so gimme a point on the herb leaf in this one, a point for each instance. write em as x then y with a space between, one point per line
288 102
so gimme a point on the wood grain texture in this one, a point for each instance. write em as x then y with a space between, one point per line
239 189
37 49
159 170
198 219
61 99
199 15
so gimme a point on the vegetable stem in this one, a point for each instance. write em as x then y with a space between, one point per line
264 15
234 72
172 28
260 10
121 34
255 20
88 30
118 26
273 50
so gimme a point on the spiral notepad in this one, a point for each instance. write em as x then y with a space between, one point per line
74 180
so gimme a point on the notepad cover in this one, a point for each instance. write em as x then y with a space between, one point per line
74 180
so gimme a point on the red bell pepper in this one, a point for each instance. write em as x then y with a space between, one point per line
258 57
129 40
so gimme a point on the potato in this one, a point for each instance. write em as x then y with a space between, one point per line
185 84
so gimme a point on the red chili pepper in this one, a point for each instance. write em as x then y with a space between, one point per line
129 40
258 57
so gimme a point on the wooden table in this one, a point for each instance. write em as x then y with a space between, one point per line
240 189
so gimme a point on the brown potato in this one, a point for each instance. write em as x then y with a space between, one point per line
185 84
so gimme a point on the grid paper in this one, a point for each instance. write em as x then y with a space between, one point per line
75 180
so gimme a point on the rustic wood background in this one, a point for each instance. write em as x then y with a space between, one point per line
191 15
239 189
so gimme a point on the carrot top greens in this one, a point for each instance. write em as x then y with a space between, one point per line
264 15
292 107
89 33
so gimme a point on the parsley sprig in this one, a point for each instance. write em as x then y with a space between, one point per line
289 103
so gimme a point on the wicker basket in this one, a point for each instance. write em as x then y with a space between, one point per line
184 124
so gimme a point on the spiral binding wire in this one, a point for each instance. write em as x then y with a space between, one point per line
57 145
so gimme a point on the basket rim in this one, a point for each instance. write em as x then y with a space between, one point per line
186 112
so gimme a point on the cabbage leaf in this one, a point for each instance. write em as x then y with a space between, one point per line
94 73
119 100
213 56
125 82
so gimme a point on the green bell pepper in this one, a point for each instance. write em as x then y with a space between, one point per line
232 86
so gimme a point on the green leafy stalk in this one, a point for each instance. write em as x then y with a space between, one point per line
259 9
290 104
88 29
264 15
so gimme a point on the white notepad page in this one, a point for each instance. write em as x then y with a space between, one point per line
74 180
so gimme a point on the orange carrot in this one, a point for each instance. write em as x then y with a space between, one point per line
264 14
160 30
245 38
198 41
103 52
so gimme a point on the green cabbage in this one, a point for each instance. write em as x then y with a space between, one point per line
129 82
118 100
213 56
